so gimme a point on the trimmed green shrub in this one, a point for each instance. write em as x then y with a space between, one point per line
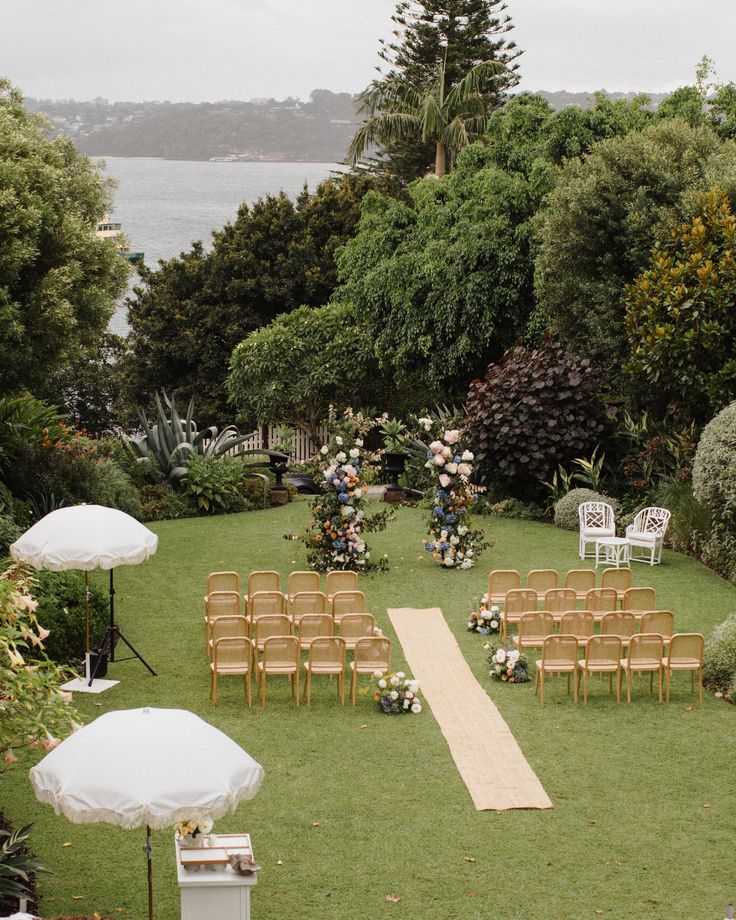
61 610
714 485
566 509
214 484
9 533
161 503
534 410
719 656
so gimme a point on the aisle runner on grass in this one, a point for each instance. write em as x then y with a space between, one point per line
485 752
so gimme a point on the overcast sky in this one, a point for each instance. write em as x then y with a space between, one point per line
193 50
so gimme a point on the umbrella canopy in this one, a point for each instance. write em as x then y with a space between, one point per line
85 537
150 767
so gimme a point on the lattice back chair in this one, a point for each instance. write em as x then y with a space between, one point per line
542 580
600 601
266 603
500 582
354 626
581 581
307 602
370 655
266 580
345 602
639 600
219 604
646 534
602 656
517 602
227 625
222 581
578 623
326 657
340 581
313 625
280 657
661 622
558 600
301 581
231 656
646 652
685 654
266 626
534 628
596 521
618 579
559 656
620 623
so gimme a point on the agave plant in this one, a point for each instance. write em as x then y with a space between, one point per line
15 862
164 447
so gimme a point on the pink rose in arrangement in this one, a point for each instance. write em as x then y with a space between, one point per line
446 453
436 446
452 437
464 469
439 460
445 480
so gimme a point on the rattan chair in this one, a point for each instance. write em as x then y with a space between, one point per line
618 579
231 656
541 580
340 581
619 623
646 652
661 622
558 600
261 581
602 656
266 603
534 628
222 581
581 581
307 602
639 600
354 626
578 623
302 581
326 657
313 625
266 626
516 602
685 654
559 656
280 658
345 602
600 601
219 604
234 624
500 582
370 655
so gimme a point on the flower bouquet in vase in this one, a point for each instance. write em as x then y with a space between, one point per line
486 622
396 694
192 833
508 664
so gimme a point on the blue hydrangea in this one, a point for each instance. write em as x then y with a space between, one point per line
343 497
441 495
451 517
457 458
438 511
429 455
429 547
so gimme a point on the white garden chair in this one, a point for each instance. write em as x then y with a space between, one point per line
596 521
646 535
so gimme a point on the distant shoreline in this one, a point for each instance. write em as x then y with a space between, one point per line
114 156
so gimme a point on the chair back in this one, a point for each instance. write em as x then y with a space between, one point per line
560 649
263 603
541 580
618 579
639 599
618 623
305 602
344 602
232 652
521 600
536 624
686 647
646 648
223 581
603 650
222 603
558 600
661 622
271 624
302 581
228 627
578 623
601 600
263 581
327 651
651 520
580 580
341 581
281 651
373 653
501 581
598 515
312 625
356 625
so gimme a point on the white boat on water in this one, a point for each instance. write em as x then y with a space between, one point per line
111 230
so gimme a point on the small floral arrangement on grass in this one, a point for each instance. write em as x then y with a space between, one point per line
194 828
487 622
396 693
508 664
453 542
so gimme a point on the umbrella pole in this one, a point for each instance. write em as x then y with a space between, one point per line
149 860
86 608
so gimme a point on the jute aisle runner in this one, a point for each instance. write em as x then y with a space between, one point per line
486 753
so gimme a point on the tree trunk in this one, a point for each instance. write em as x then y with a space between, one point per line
439 160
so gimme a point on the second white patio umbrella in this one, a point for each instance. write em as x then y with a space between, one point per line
146 767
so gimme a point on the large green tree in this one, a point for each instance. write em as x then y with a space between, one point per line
58 282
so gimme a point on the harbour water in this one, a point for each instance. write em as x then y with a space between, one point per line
164 205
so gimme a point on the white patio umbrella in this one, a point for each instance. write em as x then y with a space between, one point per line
88 537
152 767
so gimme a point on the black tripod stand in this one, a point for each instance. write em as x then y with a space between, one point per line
113 635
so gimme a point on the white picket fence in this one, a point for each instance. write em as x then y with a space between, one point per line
266 437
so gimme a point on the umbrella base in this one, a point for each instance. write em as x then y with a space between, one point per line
80 685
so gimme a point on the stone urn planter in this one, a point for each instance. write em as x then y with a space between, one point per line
394 464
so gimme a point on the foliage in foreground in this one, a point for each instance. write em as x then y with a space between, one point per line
714 486
17 866
719 656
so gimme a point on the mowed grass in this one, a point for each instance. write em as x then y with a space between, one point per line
357 806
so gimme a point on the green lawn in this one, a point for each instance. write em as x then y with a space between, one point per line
357 806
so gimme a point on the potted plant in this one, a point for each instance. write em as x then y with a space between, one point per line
394 458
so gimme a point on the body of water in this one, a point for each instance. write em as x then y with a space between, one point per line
164 205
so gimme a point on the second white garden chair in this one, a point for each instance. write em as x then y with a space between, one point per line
646 535
596 521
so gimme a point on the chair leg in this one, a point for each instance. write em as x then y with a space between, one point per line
628 684
585 685
668 676
618 684
296 683
248 689
263 690
341 681
575 681
700 683
353 679
309 688
568 683
659 681
213 687
541 686
651 682
536 680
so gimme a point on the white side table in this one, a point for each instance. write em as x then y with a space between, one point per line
207 894
614 551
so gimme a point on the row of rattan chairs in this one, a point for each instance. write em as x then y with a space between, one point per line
280 655
604 655
270 581
534 628
501 581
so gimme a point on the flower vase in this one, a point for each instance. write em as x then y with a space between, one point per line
190 840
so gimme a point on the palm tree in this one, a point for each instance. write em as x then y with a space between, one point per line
450 119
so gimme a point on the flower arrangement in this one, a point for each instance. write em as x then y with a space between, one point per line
508 664
487 622
194 828
396 693
453 543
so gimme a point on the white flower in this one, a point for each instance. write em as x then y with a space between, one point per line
425 422
462 530
467 456
382 684
338 440
205 825
416 707
377 631
495 609
357 493
394 681
471 624
451 468
466 564
400 674
454 540
407 704
494 624
378 675
443 535
354 453
359 442
500 656
341 457
324 449
449 561
394 695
